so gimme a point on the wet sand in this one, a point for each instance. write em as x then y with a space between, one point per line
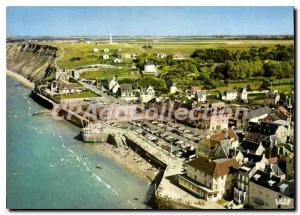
129 159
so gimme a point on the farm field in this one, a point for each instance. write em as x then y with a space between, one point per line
83 50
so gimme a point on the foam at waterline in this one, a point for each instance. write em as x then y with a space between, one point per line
97 177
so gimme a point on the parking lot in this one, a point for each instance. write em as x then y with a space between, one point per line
170 136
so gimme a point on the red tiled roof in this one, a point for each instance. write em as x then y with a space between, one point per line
214 168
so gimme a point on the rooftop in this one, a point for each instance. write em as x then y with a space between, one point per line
215 168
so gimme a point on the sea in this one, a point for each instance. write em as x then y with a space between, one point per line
48 167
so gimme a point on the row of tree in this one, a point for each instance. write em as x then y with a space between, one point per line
277 53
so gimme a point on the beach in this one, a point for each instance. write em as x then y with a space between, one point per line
21 79
126 157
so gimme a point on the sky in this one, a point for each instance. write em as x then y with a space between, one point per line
151 21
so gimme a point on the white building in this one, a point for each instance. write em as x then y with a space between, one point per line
117 60
200 96
126 56
150 68
243 94
112 83
95 50
209 179
229 95
105 57
147 95
173 88
161 55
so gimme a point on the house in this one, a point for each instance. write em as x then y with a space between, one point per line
95 50
243 94
241 188
283 113
218 145
272 99
161 55
258 114
117 60
113 85
150 68
106 50
267 191
213 121
200 96
251 147
61 74
126 56
259 131
134 56
229 95
105 57
173 88
209 179
126 90
147 95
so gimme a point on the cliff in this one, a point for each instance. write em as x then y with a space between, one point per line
33 61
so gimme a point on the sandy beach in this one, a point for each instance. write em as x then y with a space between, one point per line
127 158
20 79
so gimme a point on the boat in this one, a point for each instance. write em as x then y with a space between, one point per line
98 166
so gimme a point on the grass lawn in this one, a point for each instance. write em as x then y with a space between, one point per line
108 74
77 95
284 88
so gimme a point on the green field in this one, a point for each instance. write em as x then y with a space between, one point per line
77 95
108 74
181 48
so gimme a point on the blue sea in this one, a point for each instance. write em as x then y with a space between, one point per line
48 168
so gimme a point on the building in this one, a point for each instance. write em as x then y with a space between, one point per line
105 57
147 95
62 74
200 96
117 60
113 85
251 147
150 68
241 189
161 55
173 88
243 95
229 95
126 90
218 145
106 50
95 50
259 131
209 179
126 56
267 191
258 114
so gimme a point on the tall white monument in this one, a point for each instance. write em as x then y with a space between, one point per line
110 38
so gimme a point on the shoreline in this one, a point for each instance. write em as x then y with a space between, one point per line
21 79
127 158
124 156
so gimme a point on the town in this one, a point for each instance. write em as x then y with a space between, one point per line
217 145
